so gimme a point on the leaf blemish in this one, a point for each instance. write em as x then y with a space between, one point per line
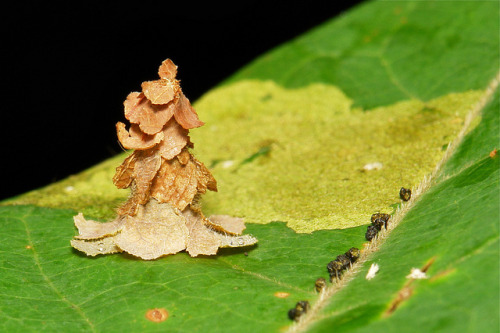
157 315
281 294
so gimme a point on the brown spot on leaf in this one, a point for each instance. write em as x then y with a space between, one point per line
442 274
428 264
402 296
493 153
157 315
28 247
281 294
407 290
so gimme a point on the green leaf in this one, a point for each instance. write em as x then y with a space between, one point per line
288 137
46 285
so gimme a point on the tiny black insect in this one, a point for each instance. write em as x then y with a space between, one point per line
371 232
405 194
344 260
299 309
335 269
381 216
378 223
353 254
320 284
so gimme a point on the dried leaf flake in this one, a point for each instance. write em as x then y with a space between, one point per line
372 271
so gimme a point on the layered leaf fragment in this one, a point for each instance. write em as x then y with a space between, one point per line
162 215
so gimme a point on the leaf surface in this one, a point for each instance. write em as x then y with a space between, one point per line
390 82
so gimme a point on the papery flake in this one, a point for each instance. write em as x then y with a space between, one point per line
135 138
125 172
150 118
88 229
185 114
167 70
155 231
146 166
225 223
160 91
179 183
158 229
175 139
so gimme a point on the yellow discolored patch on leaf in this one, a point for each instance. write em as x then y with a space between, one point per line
302 156
313 175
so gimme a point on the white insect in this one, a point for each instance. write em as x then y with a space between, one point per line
372 271
373 166
416 274
227 164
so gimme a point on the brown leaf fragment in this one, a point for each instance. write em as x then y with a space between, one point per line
163 213
202 241
184 158
175 139
124 173
225 223
135 138
179 183
94 247
157 230
185 114
146 166
167 70
160 91
89 229
150 118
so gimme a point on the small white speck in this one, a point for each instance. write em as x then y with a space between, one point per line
416 274
227 164
373 166
372 272
69 188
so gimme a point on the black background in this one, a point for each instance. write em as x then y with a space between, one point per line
67 70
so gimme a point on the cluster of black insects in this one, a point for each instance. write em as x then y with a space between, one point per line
299 309
335 268
344 261
380 220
